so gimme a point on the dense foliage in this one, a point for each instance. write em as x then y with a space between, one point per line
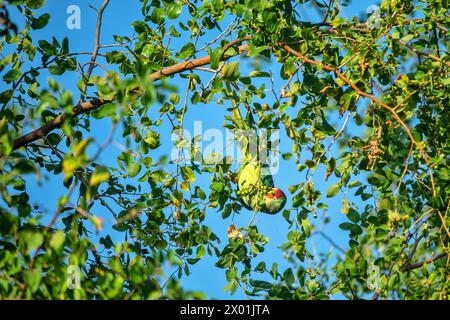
386 76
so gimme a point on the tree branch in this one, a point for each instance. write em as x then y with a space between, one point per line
97 39
427 261
86 106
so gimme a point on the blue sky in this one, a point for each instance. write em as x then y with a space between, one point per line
204 276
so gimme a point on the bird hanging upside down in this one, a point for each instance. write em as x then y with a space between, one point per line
256 189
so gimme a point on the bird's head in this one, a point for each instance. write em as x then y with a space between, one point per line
275 201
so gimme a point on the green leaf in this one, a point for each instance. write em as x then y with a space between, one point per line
230 71
200 193
31 240
188 174
107 110
24 167
261 267
346 226
259 74
408 37
107 242
289 277
158 15
215 56
306 226
12 75
153 139
173 32
184 185
133 169
5 96
40 22
354 184
217 186
345 206
100 175
200 252
149 49
79 148
231 286
174 98
35 4
333 190
274 271
33 279
56 69
139 26
186 51
286 156
353 215
173 10
260 285
293 188
57 240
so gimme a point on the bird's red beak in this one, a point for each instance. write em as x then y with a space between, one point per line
276 194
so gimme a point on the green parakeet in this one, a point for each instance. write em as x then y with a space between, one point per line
256 189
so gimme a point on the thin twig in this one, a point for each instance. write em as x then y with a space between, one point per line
96 43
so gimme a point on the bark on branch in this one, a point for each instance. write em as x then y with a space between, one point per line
427 261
